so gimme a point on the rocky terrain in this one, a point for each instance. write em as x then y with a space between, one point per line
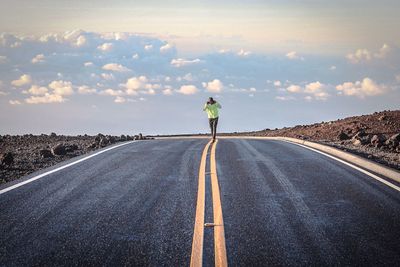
375 136
23 154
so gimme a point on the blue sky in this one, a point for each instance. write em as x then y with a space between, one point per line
117 67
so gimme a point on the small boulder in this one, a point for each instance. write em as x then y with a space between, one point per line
382 118
378 140
104 142
356 142
343 136
123 138
141 136
71 148
59 150
45 153
7 159
393 141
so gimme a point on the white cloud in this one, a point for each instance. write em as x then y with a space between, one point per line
284 98
277 83
383 51
359 55
106 47
37 90
115 67
318 90
180 62
112 92
366 87
135 56
294 89
243 53
165 48
23 80
148 47
252 89
3 59
38 59
293 55
14 102
119 100
61 88
332 68
86 90
214 86
363 55
81 41
188 89
167 91
88 64
107 76
47 98
135 83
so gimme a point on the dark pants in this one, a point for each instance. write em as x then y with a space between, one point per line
213 126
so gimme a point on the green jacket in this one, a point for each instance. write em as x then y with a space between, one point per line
212 110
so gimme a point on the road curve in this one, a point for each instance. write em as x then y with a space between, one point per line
135 205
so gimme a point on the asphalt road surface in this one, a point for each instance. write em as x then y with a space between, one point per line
135 205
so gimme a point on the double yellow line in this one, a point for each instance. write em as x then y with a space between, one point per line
196 259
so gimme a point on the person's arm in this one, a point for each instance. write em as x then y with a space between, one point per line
205 107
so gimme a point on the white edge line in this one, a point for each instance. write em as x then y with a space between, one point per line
351 165
60 168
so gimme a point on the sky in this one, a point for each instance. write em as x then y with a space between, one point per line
123 67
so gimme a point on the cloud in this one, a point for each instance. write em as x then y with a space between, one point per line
314 90
148 47
38 59
37 90
88 64
115 67
135 83
188 89
106 47
362 89
46 99
294 89
119 100
359 55
2 93
23 80
180 62
332 68
383 51
292 55
14 102
243 53
284 98
112 92
277 83
167 91
165 48
107 76
3 59
364 55
86 90
61 88
214 86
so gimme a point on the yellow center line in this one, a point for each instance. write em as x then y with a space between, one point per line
196 259
219 232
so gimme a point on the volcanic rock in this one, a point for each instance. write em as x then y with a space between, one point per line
59 150
45 153
7 158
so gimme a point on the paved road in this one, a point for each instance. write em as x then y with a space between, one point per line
282 205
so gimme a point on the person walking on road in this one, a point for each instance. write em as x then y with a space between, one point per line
211 107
